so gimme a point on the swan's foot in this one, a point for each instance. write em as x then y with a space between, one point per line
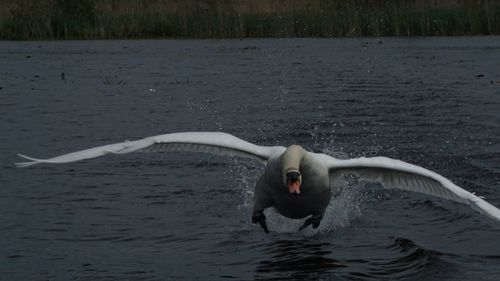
260 218
314 220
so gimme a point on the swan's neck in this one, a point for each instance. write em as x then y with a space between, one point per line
290 161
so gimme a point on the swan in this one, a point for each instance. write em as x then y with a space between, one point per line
295 182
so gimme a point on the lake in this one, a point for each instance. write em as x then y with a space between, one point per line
430 101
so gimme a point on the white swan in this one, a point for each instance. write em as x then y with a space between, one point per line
295 182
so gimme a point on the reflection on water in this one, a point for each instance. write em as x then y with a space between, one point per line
305 258
296 260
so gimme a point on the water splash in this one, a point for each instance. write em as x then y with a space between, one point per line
244 175
343 209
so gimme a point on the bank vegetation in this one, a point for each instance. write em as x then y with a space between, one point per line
129 19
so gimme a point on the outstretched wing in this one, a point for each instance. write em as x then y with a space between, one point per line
401 175
208 142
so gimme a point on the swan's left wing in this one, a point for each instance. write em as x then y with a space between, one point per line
208 142
401 175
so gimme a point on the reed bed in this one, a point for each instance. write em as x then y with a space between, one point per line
125 19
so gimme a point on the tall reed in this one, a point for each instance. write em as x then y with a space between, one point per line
107 19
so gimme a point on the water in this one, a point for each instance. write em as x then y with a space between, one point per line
429 101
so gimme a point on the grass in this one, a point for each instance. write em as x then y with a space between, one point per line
113 19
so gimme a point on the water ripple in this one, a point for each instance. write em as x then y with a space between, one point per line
296 259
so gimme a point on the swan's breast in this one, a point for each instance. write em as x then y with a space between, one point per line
315 190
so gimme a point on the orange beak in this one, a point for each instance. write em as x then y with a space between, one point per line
294 187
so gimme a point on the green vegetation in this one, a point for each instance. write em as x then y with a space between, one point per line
110 19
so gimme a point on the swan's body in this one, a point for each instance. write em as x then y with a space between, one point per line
306 174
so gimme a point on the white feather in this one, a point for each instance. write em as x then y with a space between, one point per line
209 142
391 173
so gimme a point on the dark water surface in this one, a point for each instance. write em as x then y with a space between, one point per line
434 102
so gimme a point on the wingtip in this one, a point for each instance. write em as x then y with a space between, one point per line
33 161
27 157
24 164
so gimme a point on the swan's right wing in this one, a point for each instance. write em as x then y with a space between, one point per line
208 142
392 173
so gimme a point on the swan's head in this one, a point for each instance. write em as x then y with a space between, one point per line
293 181
290 163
